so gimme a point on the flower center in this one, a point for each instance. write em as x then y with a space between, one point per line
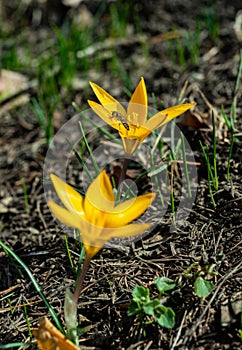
133 119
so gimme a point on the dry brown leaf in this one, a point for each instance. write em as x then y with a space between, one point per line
11 83
50 338
195 120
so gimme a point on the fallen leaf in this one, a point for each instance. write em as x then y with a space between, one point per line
11 83
195 120
50 338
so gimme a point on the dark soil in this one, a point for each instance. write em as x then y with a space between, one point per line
209 236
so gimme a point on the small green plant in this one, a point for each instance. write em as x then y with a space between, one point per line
144 306
120 15
210 20
240 333
45 119
192 44
202 287
197 273
185 48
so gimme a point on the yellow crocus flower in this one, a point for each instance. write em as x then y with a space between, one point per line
132 125
96 215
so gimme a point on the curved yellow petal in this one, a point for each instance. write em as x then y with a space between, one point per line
104 113
129 210
137 107
167 115
66 217
107 100
106 186
175 111
71 199
156 121
90 233
99 199
131 230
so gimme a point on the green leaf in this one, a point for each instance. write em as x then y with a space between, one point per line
149 307
163 284
166 318
134 308
70 313
202 287
141 294
36 286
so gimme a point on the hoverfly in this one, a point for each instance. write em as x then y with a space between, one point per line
121 119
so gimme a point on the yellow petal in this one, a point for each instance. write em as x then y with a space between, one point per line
66 217
131 230
167 115
92 250
104 113
129 145
175 111
93 239
90 233
71 199
156 121
107 100
129 210
137 107
106 186
134 138
99 195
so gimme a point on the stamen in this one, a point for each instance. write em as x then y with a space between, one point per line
133 120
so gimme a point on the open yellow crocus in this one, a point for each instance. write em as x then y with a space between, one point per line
132 124
96 215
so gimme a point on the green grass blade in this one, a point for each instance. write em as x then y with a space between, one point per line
215 182
35 107
13 345
95 125
27 320
205 153
210 188
82 255
69 253
172 198
36 285
226 119
185 166
229 158
97 170
80 160
209 171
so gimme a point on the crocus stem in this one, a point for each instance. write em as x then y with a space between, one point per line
122 176
81 279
